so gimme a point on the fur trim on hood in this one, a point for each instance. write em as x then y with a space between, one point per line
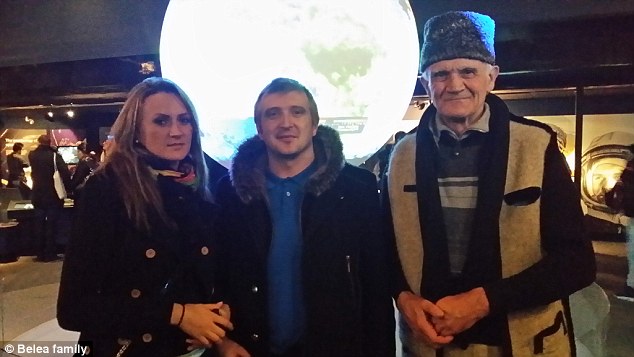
250 163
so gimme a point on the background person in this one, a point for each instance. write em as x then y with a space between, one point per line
304 253
624 187
487 221
48 205
86 165
139 271
16 165
386 151
106 147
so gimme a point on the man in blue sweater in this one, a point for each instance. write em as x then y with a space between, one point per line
303 249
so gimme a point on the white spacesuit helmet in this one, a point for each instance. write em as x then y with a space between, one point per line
601 166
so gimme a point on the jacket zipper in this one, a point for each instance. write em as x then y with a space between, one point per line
351 279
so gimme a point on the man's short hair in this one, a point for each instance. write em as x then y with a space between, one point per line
17 147
44 140
283 86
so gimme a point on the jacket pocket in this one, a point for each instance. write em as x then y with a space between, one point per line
523 197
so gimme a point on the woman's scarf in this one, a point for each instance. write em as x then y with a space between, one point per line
185 175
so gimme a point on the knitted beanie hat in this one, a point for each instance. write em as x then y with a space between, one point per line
458 34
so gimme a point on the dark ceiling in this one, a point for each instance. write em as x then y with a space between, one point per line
89 52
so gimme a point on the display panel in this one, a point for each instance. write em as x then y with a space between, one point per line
70 154
605 151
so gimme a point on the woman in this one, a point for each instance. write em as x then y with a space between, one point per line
138 274
87 164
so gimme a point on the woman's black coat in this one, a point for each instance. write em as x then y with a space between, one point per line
120 284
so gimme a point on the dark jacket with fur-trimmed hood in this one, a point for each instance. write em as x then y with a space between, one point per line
348 306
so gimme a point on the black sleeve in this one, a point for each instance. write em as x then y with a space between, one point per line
224 252
568 263
81 172
220 230
82 304
377 309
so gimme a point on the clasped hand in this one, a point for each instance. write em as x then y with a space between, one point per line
225 346
206 323
437 324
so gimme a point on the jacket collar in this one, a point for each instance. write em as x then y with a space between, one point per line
41 147
248 169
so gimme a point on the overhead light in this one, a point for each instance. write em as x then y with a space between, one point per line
70 112
50 114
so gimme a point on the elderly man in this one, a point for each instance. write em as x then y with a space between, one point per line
487 223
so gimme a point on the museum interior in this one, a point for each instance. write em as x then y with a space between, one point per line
66 67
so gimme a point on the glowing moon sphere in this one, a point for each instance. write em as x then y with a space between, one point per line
358 58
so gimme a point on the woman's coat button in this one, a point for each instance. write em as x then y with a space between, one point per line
135 293
147 337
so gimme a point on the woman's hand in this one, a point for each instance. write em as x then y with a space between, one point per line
225 311
205 323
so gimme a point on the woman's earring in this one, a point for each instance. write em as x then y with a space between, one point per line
136 141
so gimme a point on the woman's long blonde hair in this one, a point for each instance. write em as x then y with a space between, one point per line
126 160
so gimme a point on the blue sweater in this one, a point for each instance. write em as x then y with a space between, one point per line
285 300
